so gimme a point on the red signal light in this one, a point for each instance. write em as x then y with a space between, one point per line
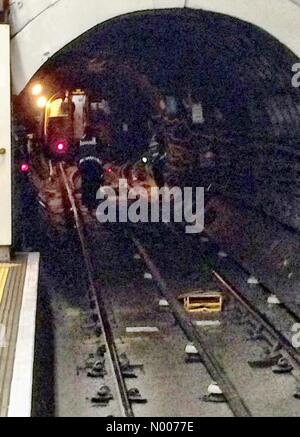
61 146
24 167
109 170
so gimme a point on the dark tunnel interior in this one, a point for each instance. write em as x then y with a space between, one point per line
242 76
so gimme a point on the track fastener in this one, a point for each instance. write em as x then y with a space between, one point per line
297 392
192 354
103 396
267 358
135 396
215 394
98 370
283 366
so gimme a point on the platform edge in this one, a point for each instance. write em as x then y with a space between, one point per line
20 405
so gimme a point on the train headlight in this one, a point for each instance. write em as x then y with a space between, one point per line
37 89
41 102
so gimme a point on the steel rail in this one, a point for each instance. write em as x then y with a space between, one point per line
100 308
213 366
263 321
220 275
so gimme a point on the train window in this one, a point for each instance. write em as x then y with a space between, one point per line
58 121
57 109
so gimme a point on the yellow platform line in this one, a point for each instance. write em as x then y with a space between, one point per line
9 265
4 269
3 277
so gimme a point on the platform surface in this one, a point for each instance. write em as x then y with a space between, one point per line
18 301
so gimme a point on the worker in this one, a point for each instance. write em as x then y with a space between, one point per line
90 165
157 158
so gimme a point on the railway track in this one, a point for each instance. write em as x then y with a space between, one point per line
235 401
126 396
264 327
270 358
274 321
100 317
241 397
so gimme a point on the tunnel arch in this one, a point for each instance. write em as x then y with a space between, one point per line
246 74
258 58
259 177
46 20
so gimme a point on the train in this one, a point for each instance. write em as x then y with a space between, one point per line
122 124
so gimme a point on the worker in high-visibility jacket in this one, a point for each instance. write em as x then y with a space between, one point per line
90 164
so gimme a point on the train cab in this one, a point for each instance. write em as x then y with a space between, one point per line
63 124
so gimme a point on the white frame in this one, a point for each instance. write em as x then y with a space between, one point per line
5 142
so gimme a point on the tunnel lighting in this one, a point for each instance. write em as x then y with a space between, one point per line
37 89
41 102
61 146
24 167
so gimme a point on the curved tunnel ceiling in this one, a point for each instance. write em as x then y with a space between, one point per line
241 74
55 23
238 70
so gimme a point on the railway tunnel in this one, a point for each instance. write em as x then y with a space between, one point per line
242 76
229 63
